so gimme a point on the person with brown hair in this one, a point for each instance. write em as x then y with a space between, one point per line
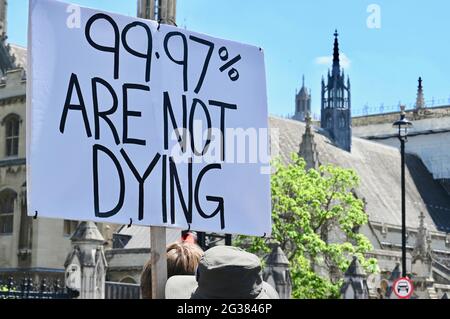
182 259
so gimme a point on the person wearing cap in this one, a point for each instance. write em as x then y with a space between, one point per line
182 259
224 272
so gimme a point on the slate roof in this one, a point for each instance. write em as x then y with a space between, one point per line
87 231
140 236
378 167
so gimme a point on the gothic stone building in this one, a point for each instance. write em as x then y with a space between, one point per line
378 166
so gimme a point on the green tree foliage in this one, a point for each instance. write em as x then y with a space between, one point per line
316 217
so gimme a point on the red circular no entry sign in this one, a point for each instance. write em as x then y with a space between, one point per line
403 288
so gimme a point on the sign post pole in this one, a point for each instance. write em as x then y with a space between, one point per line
158 243
158 259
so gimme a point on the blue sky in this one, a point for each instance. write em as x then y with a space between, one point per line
383 63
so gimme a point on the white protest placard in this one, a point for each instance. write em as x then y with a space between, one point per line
129 120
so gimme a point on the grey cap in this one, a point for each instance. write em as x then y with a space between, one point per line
224 272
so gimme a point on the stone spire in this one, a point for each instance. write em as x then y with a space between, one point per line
420 101
336 62
335 112
308 148
85 265
422 257
422 264
277 273
87 232
355 282
422 240
308 121
303 90
302 102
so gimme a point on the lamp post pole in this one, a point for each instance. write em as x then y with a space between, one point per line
403 124
402 146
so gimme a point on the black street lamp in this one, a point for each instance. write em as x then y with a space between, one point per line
403 125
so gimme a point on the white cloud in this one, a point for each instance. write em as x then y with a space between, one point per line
328 60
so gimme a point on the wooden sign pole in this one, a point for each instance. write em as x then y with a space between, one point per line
158 234
158 259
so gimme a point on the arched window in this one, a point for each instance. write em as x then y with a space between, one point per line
11 123
7 198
